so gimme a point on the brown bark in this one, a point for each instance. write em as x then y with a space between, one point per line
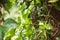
55 21
34 18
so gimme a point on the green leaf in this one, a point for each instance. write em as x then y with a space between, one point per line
12 1
1 35
22 8
37 1
19 20
48 27
10 23
10 33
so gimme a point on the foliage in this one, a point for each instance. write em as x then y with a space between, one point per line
18 24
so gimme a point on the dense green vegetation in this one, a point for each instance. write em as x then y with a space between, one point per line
25 20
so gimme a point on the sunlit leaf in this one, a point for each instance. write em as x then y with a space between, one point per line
52 0
12 1
9 34
19 20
